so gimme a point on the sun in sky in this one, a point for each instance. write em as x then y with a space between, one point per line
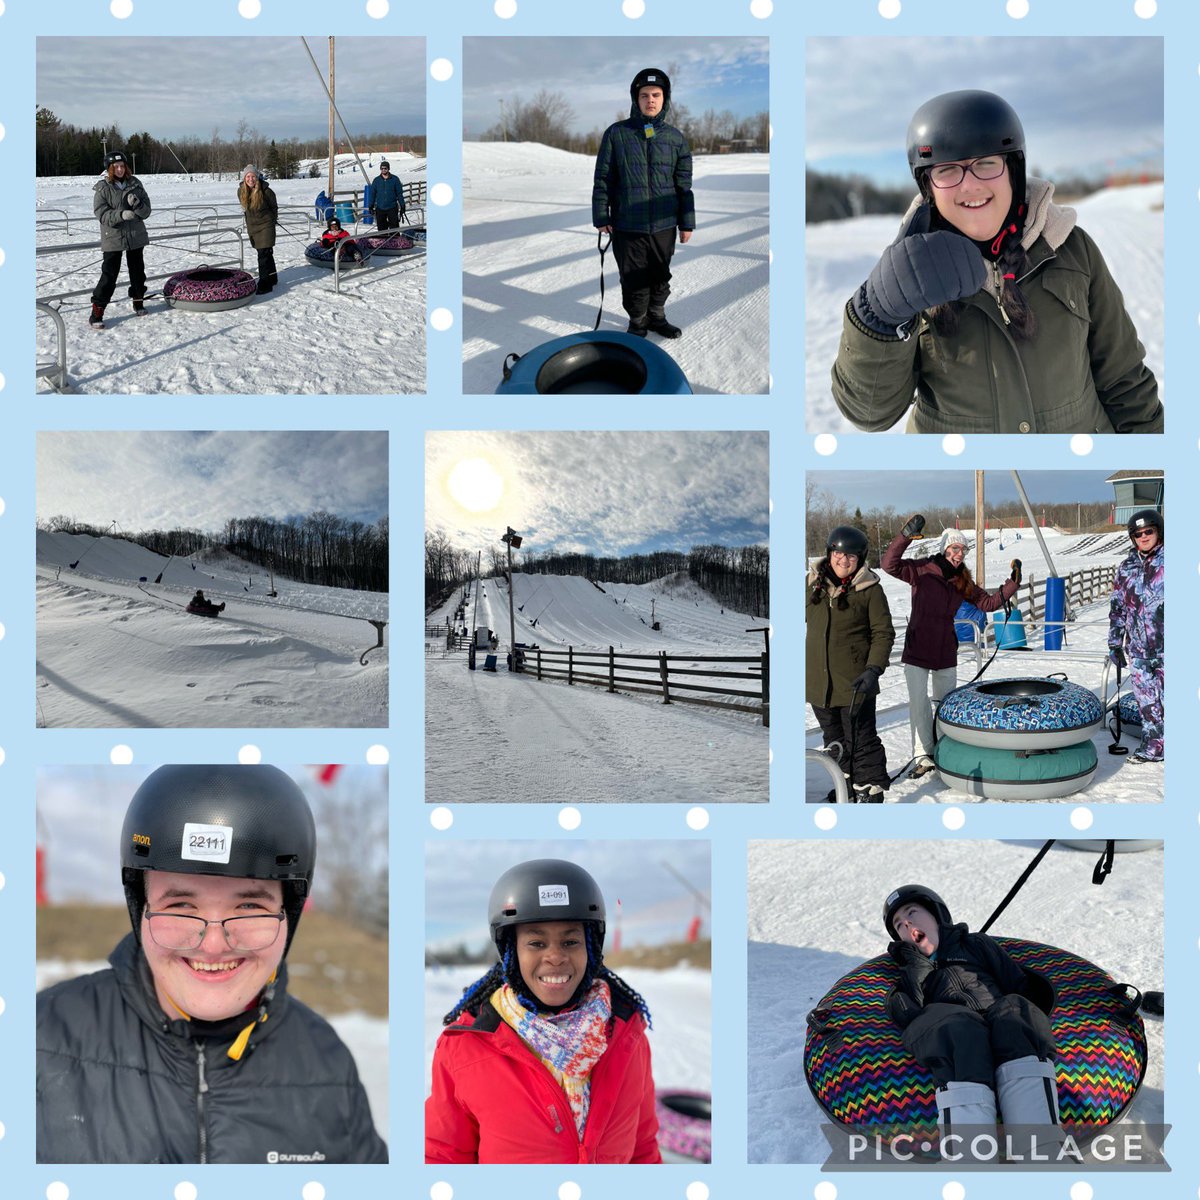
476 484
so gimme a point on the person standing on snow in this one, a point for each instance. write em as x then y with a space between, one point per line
992 311
169 1056
545 1058
387 198
642 194
262 212
121 206
1135 627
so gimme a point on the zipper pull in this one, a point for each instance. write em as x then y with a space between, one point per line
1000 293
203 1085
554 1116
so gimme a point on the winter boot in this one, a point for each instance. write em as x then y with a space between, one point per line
966 1111
868 793
96 320
139 306
1028 1095
923 766
659 324
637 326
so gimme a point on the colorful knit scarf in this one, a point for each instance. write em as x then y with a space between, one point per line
568 1043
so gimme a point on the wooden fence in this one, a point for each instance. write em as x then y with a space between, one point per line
672 676
1082 587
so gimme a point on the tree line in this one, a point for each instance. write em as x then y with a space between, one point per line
320 548
65 149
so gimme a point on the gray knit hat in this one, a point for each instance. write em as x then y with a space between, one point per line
249 169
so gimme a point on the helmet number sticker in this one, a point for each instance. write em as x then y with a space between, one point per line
553 893
206 843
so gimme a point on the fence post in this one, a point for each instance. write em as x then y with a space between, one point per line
766 690
570 664
662 670
539 665
611 684
1032 601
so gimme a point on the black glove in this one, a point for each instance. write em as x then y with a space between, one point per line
133 199
1118 658
904 954
913 526
903 1009
867 682
918 271
1015 574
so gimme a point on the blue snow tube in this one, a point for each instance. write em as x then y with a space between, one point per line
594 363
1020 714
967 621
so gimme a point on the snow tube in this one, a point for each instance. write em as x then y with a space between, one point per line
208 609
1003 774
684 1125
209 289
594 363
968 622
417 233
322 256
1130 713
861 1075
1020 714
1120 846
389 242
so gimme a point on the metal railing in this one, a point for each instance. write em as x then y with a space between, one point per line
55 372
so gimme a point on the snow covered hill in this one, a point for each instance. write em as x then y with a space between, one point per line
531 270
116 648
1126 223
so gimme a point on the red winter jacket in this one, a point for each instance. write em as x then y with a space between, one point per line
494 1102
930 640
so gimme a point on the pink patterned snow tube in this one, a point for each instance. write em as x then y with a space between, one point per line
209 289
385 243
684 1125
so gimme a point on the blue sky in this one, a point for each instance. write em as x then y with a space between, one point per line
594 74
174 87
198 480
604 493
1088 105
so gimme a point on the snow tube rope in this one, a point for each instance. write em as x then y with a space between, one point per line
209 289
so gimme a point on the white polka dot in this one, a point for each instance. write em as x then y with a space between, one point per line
954 444
2 382
249 9
696 1191
1 506
770 507
770 131
1 125
441 319
954 818
377 10
953 1191
441 1191
1 632
1081 1191
1 258
825 818
825 1191
441 194
570 817
441 818
889 10
314 1190
568 1190
761 9
441 69
3 881
825 443
121 755
1081 817
771 381
697 818
2 756
57 1191
3 1006
1145 9
2 1129
1017 9
505 9
185 1191
378 756
120 9
249 755
770 756
770 258
1082 444
633 8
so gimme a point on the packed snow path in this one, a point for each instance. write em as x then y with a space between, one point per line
531 271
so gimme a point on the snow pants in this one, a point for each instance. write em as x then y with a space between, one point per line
644 261
387 218
920 710
266 267
110 268
870 758
1146 677
958 1044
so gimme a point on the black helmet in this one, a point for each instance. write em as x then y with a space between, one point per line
646 77
848 540
115 157
245 822
545 889
1142 518
918 892
958 125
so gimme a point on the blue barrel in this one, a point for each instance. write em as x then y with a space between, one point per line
1010 634
344 211
1056 611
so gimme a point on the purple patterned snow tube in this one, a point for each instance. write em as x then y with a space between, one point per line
209 289
387 243
684 1125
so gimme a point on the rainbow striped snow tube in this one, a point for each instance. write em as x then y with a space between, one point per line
863 1078
209 289
592 364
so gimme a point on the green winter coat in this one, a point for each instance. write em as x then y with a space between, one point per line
839 644
1083 372
260 222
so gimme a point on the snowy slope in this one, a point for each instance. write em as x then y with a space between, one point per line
1126 223
814 914
1083 658
531 270
113 651
300 339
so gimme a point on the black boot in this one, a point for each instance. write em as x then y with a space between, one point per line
637 326
659 324
139 306
96 319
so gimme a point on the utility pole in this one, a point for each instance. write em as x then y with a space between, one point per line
511 538
979 547
329 193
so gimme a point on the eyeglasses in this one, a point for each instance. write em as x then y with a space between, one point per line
843 554
948 175
172 931
1149 531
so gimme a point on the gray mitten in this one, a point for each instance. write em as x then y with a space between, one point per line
133 200
127 215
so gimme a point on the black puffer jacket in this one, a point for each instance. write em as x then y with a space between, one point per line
117 1082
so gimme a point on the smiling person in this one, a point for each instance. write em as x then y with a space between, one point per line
642 194
189 1048
545 1058
992 311
121 205
261 210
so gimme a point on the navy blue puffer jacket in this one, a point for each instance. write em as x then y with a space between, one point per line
643 184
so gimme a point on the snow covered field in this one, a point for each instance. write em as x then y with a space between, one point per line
814 914
1083 659
531 270
299 339
113 651
1126 223
503 737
